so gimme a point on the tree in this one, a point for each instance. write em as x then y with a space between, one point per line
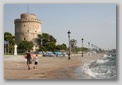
48 43
51 46
63 47
11 41
45 41
84 49
25 45
52 39
58 47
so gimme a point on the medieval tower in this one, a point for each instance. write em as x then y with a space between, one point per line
27 28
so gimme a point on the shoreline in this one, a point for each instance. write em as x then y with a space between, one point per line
48 67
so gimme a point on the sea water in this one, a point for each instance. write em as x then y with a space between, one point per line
103 68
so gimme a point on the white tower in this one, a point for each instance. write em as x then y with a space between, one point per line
27 28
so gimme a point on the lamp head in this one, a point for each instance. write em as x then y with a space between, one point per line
68 32
82 39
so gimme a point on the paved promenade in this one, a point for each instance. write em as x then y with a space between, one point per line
15 67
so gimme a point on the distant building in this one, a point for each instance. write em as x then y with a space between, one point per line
27 27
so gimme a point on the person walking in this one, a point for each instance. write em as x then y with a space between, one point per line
35 61
29 60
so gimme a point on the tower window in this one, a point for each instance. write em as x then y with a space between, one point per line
24 38
27 30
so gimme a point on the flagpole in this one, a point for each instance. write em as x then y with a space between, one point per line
27 9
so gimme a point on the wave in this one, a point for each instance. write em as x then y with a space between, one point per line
103 68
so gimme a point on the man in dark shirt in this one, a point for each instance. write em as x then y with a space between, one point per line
29 59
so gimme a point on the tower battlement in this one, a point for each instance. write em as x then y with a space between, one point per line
27 20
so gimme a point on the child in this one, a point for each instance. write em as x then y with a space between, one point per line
35 61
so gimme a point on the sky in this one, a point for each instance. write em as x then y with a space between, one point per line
95 23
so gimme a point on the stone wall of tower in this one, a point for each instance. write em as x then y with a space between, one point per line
27 28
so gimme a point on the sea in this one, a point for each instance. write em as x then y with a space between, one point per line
103 68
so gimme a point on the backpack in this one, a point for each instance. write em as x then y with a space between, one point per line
25 55
28 56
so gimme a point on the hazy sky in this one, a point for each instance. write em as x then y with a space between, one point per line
96 23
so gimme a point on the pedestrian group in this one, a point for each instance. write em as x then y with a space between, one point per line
30 58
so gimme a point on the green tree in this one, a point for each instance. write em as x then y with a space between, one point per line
45 41
51 46
48 43
11 41
58 47
25 45
80 49
63 47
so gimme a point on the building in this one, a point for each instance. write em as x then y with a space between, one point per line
27 27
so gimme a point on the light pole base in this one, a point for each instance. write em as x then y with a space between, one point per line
82 54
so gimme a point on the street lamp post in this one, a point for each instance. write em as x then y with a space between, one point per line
69 44
82 46
92 48
89 47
